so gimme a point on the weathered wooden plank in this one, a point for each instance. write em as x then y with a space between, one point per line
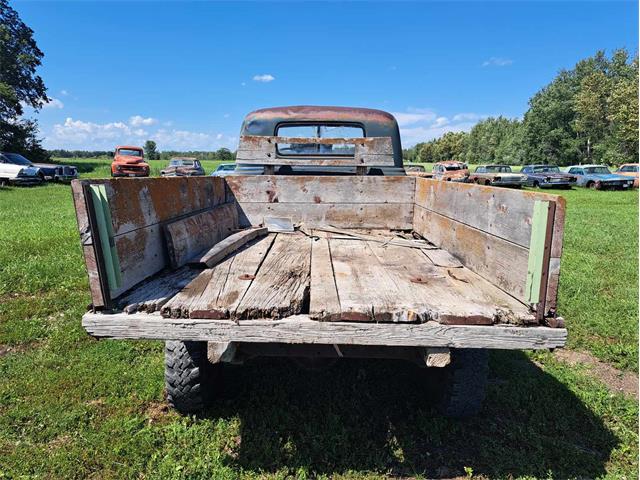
442 258
500 262
556 253
151 295
324 304
189 236
366 290
142 254
367 151
389 216
448 295
535 265
385 237
261 158
281 286
301 329
220 299
320 189
86 240
228 245
140 202
178 306
502 212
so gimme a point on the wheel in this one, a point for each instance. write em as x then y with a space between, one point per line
536 184
189 377
463 383
487 183
594 185
4 182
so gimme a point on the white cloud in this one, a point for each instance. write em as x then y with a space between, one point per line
81 135
64 93
497 62
138 121
265 78
421 125
53 103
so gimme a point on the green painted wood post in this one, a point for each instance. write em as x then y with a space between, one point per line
536 250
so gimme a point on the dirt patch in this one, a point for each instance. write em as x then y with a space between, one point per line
156 412
617 380
19 348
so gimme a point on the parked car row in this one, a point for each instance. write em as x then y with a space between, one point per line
18 170
538 176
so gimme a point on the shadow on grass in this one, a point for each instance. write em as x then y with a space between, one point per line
375 416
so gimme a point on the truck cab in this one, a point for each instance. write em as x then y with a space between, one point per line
314 140
129 162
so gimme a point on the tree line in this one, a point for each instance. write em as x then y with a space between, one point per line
588 114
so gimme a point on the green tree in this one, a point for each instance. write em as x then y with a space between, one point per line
150 150
19 85
224 154
586 114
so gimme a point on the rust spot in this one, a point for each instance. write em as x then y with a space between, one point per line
272 196
246 276
418 279
317 199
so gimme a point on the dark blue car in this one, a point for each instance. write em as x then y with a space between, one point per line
547 176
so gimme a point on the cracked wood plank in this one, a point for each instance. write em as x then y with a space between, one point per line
324 304
281 286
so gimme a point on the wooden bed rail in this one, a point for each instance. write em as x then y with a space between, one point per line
263 150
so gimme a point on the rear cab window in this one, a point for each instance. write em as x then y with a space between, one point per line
317 131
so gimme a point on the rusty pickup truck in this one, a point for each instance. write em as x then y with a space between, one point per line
318 247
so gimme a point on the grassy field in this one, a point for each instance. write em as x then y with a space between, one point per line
75 407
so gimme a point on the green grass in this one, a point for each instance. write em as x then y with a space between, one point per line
74 407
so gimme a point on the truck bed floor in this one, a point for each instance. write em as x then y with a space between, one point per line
337 278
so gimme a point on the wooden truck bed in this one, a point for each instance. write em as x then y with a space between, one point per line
333 278
486 275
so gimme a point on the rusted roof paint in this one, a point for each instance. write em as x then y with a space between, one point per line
305 113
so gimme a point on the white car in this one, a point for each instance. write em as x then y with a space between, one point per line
224 169
12 173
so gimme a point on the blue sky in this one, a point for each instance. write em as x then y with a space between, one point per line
185 73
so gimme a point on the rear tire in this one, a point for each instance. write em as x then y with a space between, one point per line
536 184
189 377
463 384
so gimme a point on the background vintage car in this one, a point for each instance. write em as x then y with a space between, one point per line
598 177
12 173
497 176
47 171
629 170
451 171
547 176
182 167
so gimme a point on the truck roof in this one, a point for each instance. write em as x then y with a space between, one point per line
129 147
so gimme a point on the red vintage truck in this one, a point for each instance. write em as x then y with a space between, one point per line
373 263
129 162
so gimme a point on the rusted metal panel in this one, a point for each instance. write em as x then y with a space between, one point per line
373 151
